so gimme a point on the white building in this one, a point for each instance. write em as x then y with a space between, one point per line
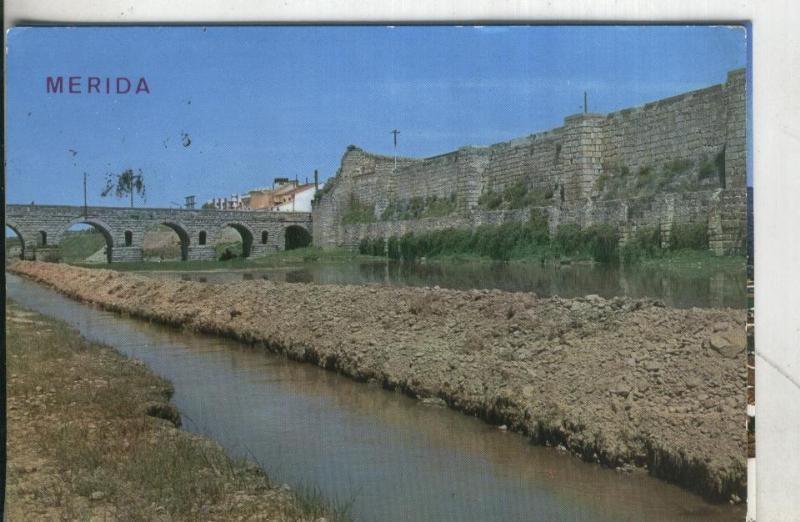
299 199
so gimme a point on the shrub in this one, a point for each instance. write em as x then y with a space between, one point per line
515 195
631 252
600 184
678 166
649 238
490 200
644 176
418 207
51 256
689 236
707 169
437 207
393 248
372 247
602 242
568 239
358 212
456 241
378 247
646 242
390 212
227 254
408 251
507 241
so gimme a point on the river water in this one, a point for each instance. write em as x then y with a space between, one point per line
682 289
394 457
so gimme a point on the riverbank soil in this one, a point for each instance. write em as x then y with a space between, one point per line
92 436
622 382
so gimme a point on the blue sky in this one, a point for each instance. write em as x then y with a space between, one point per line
265 102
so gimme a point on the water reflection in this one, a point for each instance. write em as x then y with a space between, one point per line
684 289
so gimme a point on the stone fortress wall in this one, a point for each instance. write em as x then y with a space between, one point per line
569 163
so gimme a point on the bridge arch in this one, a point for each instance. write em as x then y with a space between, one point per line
244 231
14 228
98 225
296 236
183 235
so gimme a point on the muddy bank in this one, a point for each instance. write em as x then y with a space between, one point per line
92 436
616 381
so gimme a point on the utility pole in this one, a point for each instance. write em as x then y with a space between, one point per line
395 132
585 103
85 206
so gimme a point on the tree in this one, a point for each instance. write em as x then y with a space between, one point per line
125 184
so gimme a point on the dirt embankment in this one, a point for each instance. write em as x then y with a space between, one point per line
615 381
92 436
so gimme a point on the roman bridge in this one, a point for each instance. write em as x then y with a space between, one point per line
41 228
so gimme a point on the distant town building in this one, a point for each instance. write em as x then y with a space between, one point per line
233 202
261 198
285 195
298 199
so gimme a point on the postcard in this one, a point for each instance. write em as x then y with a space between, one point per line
412 272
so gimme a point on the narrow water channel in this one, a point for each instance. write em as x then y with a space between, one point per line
396 458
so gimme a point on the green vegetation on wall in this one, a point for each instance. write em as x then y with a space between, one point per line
418 208
617 181
515 195
326 188
357 212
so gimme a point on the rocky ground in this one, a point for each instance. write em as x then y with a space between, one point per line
622 382
92 436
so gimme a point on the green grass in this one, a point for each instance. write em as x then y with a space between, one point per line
695 262
78 245
96 436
